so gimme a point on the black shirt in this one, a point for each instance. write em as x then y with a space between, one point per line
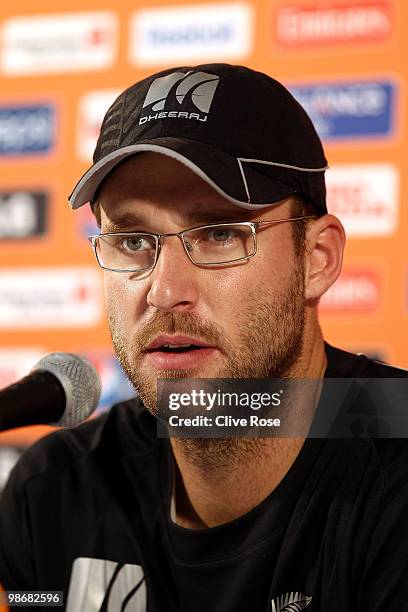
87 511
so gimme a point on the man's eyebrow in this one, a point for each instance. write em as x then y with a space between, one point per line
123 222
198 216
127 221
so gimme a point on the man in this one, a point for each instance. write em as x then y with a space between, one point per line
208 185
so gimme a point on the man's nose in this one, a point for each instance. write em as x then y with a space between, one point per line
174 283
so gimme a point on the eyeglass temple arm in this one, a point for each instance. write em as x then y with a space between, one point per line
283 220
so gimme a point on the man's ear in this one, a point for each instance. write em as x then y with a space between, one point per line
325 241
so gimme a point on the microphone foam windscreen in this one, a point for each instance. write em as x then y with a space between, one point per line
80 381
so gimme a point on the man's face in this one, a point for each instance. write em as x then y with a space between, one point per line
248 317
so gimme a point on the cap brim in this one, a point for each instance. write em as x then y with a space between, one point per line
241 185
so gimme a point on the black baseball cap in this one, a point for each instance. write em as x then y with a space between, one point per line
238 129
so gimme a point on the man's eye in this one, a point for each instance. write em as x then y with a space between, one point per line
221 234
136 244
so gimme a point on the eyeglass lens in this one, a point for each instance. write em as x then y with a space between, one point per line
220 243
126 252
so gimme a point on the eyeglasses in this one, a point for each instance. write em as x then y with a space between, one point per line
207 245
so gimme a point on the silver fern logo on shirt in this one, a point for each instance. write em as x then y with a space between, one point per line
180 95
291 602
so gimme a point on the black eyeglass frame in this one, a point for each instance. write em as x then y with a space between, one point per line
254 225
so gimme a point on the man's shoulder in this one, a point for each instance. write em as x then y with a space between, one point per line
342 363
377 401
392 456
127 428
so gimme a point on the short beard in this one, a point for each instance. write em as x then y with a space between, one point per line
269 346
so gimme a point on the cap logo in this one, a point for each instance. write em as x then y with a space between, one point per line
190 91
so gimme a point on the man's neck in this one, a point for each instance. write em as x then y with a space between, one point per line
209 498
217 481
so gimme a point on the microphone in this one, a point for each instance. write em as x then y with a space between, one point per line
62 389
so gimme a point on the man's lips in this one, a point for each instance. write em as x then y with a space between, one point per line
165 359
163 340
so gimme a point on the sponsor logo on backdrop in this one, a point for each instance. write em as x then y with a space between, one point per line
191 33
64 42
92 109
23 214
365 197
27 129
355 109
115 385
298 26
40 298
15 363
357 290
